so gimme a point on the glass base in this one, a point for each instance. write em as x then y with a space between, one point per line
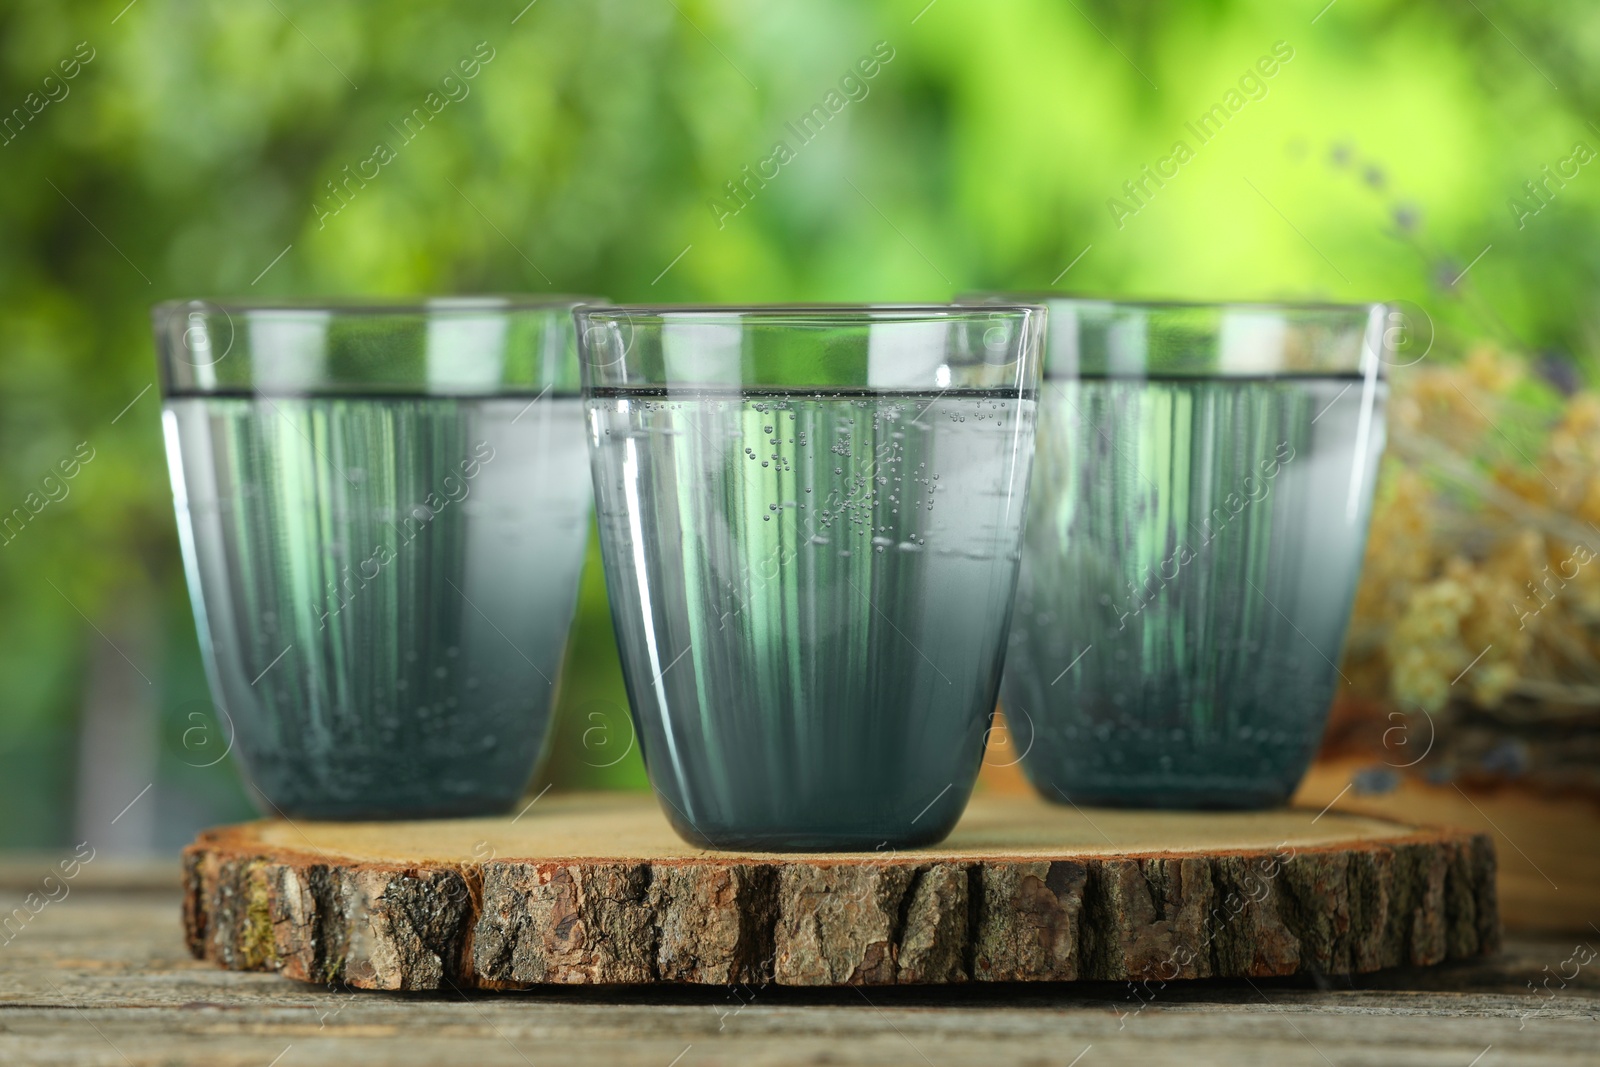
745 838
1198 797
1142 772
376 790
391 811
781 841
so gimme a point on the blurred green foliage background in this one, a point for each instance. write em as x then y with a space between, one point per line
189 152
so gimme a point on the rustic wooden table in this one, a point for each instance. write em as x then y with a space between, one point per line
101 976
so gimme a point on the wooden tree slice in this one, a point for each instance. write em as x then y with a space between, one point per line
598 889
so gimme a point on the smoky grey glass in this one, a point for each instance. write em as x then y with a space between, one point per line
382 510
1198 517
811 521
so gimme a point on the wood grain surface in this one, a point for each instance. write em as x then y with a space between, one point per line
598 890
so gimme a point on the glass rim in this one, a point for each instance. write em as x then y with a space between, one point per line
1368 359
760 368
463 303
798 313
1158 304
187 329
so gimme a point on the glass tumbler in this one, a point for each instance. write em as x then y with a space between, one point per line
1199 512
811 523
382 511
